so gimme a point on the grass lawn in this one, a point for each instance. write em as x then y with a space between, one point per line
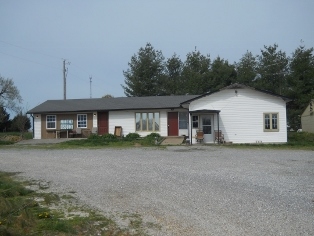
27 212
296 140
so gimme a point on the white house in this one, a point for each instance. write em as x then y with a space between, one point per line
242 113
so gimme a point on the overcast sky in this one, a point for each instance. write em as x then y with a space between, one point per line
99 38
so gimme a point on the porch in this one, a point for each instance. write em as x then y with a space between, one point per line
205 127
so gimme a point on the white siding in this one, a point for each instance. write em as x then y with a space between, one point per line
126 119
122 118
37 126
241 116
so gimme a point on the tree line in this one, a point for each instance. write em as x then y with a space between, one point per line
150 74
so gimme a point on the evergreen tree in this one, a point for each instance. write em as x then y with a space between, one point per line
222 74
5 121
21 123
196 74
300 84
144 77
273 68
173 79
246 69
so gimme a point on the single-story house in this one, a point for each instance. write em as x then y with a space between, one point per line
307 118
242 113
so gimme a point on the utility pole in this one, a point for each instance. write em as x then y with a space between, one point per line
90 86
65 70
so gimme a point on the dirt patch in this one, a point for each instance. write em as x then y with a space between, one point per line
11 138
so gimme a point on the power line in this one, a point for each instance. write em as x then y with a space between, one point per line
27 49
27 60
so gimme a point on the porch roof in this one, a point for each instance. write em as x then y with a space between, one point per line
205 111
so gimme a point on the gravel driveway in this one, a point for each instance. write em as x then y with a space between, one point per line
204 190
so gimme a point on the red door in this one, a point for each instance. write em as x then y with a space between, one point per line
103 123
173 124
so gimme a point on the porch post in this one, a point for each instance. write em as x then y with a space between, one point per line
190 131
218 127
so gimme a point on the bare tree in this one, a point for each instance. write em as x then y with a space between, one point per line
10 97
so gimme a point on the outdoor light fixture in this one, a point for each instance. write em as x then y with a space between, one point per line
94 114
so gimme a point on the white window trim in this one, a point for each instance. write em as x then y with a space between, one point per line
198 122
77 120
271 121
51 122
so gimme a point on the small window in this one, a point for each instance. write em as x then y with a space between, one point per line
271 122
82 121
195 121
51 121
183 120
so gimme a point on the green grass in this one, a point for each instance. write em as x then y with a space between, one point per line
110 140
296 140
27 212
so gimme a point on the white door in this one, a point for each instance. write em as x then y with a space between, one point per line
37 127
207 127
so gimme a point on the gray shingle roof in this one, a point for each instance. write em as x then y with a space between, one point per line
111 104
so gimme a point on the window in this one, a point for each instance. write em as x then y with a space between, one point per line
147 121
271 122
82 121
51 121
183 120
195 121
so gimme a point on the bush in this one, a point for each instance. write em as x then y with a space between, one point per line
132 136
109 137
153 136
301 138
151 139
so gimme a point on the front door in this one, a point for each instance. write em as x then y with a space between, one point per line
103 123
207 127
173 124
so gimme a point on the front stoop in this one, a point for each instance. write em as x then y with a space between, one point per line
172 141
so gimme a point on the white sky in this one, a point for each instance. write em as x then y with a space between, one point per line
99 38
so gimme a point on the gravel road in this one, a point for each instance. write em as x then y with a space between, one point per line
203 190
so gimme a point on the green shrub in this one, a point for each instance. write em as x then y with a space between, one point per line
153 136
132 136
151 139
110 137
300 138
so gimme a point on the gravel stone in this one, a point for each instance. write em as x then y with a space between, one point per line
187 190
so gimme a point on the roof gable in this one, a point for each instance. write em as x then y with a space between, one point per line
236 86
